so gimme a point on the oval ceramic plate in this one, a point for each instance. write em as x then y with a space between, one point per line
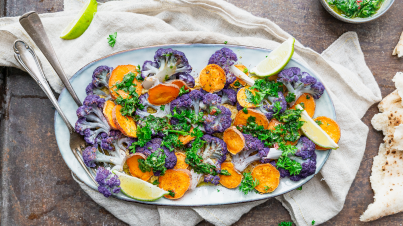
198 56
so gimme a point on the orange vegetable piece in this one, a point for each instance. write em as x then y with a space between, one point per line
268 176
234 139
179 83
272 78
177 181
186 139
125 124
331 128
117 76
309 103
133 164
242 98
108 108
180 163
163 94
241 68
242 117
230 181
212 78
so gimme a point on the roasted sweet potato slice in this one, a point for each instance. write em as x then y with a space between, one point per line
117 76
242 98
330 127
230 181
179 83
133 164
186 139
177 181
308 103
268 176
108 108
163 94
212 78
240 81
125 124
234 139
180 163
242 117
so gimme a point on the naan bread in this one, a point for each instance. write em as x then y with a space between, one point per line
387 122
391 102
399 47
398 80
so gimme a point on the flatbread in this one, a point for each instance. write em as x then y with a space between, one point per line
387 169
387 183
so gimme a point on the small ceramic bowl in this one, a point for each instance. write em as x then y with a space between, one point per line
385 7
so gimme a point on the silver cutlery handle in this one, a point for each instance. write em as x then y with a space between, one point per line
33 26
26 56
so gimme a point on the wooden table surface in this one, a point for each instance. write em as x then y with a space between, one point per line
37 187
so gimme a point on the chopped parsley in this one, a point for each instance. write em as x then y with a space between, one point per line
248 184
225 173
308 97
155 161
225 42
156 182
313 222
171 193
129 105
245 110
183 91
266 188
162 107
300 188
112 39
319 122
262 89
290 97
245 70
237 83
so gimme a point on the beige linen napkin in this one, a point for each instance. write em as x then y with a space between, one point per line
151 22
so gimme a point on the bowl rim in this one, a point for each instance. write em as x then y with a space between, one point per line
356 20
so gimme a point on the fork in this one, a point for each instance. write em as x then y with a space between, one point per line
26 56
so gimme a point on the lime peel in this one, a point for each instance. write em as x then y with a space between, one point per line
314 132
80 24
276 60
138 189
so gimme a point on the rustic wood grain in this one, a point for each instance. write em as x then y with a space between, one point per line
37 188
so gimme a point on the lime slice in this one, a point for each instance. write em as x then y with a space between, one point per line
314 132
78 26
276 60
138 189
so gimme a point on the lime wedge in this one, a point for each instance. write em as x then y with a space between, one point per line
276 60
314 132
78 26
138 189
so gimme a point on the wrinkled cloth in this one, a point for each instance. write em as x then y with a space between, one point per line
139 23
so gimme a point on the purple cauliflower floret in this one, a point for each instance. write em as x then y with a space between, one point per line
186 77
269 110
238 106
161 112
225 58
92 155
167 63
189 101
150 147
91 121
308 169
210 100
228 96
212 179
307 151
218 120
244 158
100 78
215 151
300 83
108 183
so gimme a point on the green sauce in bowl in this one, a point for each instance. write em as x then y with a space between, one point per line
355 8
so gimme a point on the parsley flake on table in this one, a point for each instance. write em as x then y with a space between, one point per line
300 188
112 39
313 222
285 223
